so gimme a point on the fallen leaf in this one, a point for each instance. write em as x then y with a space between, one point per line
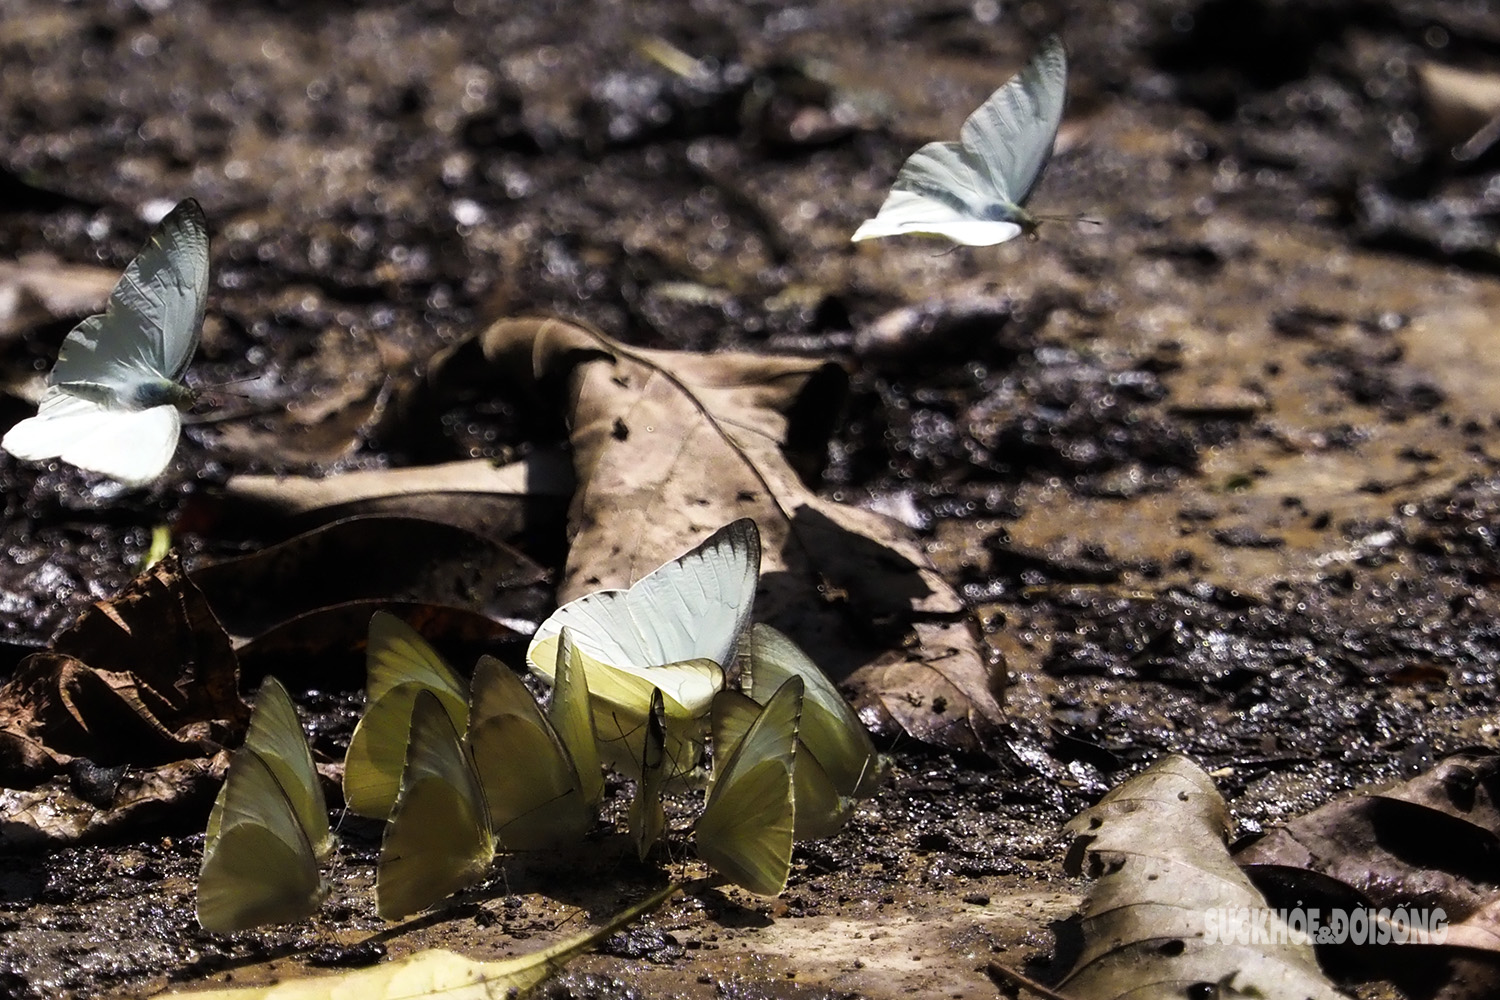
144 678
129 704
444 974
670 445
1426 843
372 558
498 502
57 813
1156 844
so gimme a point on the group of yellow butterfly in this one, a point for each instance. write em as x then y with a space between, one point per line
460 772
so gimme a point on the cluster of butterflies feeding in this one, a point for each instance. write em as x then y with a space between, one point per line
113 399
461 771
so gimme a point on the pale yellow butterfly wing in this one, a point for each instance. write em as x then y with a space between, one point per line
276 734
438 840
396 654
648 818
572 717
748 824
821 811
530 784
830 730
258 866
377 750
398 664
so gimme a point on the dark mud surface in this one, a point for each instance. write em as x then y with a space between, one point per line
1218 475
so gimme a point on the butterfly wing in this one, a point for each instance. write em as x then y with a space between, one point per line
276 734
698 605
942 190
820 809
396 653
377 749
748 824
399 664
150 326
536 800
439 839
572 717
258 866
693 608
131 446
1012 133
648 818
830 730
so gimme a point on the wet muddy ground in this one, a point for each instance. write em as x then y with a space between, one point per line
1218 474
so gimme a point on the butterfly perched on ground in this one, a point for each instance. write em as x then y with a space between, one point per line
113 399
268 831
972 191
749 820
676 631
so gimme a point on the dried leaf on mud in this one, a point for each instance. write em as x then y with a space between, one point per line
1425 843
1156 844
498 502
143 678
437 972
315 592
670 445
146 680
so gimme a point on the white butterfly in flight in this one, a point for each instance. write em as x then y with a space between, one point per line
112 401
971 191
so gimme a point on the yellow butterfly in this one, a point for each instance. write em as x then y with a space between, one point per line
399 663
830 730
748 823
821 810
268 830
540 773
439 838
675 629
648 818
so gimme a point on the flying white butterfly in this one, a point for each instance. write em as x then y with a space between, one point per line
112 401
971 191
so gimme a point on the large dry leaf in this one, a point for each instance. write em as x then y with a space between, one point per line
1431 842
373 558
669 445
309 599
498 502
443 974
1157 846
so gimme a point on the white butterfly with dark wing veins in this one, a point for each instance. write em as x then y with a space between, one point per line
971 191
112 400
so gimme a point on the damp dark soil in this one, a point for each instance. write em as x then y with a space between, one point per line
1217 473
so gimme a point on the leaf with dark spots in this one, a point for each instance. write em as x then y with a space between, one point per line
366 563
708 441
1156 845
1430 842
